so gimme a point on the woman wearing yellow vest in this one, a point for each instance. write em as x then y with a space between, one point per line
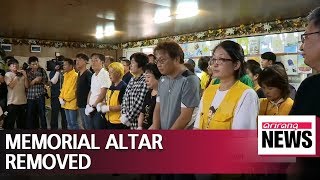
229 104
274 83
112 106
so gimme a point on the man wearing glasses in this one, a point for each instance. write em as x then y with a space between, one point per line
178 92
308 97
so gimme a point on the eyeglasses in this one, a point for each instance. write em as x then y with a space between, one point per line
305 35
218 61
161 61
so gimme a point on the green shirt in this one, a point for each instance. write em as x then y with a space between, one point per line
245 79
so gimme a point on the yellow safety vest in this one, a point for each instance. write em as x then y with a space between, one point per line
223 117
112 100
283 108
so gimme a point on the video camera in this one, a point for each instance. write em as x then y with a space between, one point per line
58 61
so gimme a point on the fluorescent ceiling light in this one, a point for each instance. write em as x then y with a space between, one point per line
187 9
162 16
99 32
109 30
107 15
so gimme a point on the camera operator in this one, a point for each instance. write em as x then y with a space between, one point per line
3 97
38 78
56 80
17 83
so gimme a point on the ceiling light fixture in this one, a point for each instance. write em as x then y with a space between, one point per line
109 30
187 9
99 32
162 16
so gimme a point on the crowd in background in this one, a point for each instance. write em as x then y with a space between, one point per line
155 91
161 90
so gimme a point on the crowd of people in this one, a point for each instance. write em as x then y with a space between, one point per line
160 90
155 91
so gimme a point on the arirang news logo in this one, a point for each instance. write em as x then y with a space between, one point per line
286 135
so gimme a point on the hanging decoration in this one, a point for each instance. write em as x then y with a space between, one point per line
277 26
254 29
56 44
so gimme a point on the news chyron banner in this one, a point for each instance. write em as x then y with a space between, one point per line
271 148
287 135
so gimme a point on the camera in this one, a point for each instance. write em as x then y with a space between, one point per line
58 61
19 74
25 67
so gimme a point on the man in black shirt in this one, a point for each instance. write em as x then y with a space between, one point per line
308 95
83 87
127 75
3 96
56 80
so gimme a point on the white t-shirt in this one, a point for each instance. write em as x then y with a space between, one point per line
246 112
102 80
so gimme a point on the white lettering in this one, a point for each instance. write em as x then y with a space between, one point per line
13 144
112 142
39 143
45 161
62 163
51 145
66 139
81 160
72 161
25 144
93 142
156 141
144 142
10 159
133 140
34 163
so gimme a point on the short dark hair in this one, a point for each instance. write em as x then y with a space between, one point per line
275 76
140 58
127 61
100 56
315 17
253 66
191 62
60 58
270 56
82 56
203 63
236 53
280 64
151 55
152 68
7 58
33 59
111 58
69 61
189 66
172 48
12 61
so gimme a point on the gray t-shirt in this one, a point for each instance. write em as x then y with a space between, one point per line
183 91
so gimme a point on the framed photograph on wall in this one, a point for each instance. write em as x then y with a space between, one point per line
6 47
35 48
